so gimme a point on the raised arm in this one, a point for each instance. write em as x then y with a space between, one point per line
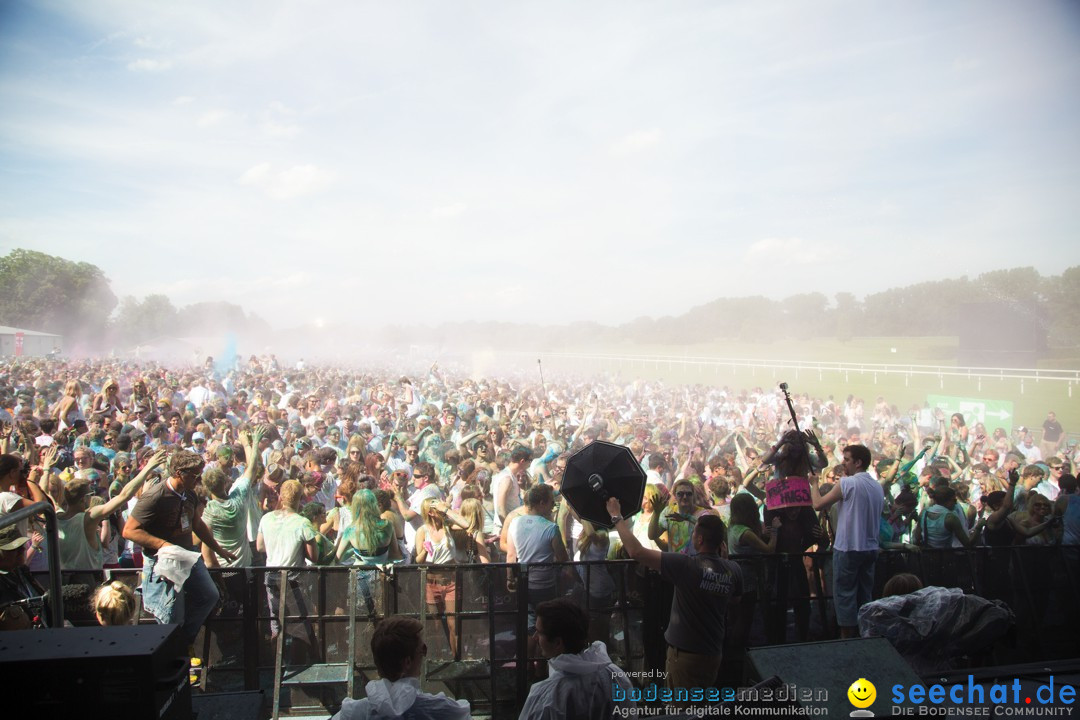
252 459
128 491
646 556
654 525
820 502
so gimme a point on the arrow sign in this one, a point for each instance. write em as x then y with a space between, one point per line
991 413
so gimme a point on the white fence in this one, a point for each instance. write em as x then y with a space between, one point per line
1068 378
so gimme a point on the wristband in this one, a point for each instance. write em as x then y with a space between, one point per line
616 519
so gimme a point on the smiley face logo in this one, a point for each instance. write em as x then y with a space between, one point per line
862 693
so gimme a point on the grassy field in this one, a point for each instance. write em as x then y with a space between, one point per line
1032 399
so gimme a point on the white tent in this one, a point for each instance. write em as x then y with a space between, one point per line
34 343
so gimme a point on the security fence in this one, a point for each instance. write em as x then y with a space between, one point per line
476 618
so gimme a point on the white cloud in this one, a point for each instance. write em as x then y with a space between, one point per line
280 107
685 132
793 250
450 211
280 130
148 43
294 182
636 142
148 65
213 117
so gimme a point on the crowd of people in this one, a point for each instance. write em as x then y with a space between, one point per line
176 470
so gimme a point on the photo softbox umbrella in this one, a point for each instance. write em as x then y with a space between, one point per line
598 471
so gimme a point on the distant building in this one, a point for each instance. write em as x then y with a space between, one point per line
32 342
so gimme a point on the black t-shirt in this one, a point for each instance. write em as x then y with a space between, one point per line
166 514
703 586
1052 431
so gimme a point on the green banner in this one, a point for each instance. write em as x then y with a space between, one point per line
991 413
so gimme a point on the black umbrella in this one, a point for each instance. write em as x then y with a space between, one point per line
598 471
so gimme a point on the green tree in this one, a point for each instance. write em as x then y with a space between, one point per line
847 316
804 315
50 294
136 322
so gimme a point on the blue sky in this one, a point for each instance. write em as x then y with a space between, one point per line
537 161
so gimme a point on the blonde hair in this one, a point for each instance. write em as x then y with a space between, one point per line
290 494
72 388
473 512
114 604
426 507
652 493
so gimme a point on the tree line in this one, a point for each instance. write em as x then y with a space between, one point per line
75 299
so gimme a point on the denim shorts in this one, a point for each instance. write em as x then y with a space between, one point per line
187 606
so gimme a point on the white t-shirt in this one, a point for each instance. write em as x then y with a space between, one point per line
859 513
1032 454
284 535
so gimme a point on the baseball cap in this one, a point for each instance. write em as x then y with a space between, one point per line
11 538
197 437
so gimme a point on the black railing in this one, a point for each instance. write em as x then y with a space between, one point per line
486 620
56 596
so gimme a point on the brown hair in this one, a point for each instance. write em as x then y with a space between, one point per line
567 621
75 491
395 640
901 584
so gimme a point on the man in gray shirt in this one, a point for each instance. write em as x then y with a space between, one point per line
705 584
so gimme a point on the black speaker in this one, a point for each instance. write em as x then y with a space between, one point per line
818 675
132 671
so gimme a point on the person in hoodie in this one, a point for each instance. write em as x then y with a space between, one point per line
398 648
582 676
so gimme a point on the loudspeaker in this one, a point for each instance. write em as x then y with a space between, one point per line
819 674
133 671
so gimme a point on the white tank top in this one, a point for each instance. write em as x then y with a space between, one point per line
441 553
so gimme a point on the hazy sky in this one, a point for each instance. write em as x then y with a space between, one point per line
539 161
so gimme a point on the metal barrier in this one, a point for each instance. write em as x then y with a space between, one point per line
476 626
56 595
